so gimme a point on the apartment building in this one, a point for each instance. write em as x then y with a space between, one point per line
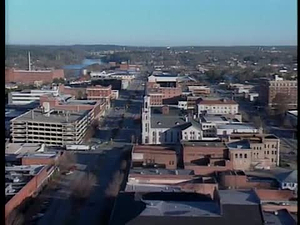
221 106
270 88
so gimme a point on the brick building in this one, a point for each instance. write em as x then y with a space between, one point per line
98 92
205 157
30 77
147 155
270 88
237 179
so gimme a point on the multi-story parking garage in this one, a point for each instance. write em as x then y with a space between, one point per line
55 127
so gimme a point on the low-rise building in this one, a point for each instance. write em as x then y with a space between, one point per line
29 96
31 76
158 156
22 182
226 207
223 106
206 157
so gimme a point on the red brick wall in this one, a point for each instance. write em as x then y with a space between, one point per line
29 77
52 101
26 191
170 92
207 170
240 181
194 153
70 90
37 161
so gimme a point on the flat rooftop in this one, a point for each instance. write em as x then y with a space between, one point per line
160 171
236 126
143 148
243 144
203 143
214 118
56 116
283 217
238 197
21 148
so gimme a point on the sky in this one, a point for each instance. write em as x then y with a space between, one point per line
152 22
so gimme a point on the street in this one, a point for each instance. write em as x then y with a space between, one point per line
103 161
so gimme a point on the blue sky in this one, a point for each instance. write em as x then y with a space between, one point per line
152 22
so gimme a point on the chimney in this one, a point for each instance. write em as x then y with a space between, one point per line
186 118
32 114
165 110
29 62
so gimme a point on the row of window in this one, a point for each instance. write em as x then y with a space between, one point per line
241 156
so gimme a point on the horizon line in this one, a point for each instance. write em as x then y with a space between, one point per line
145 46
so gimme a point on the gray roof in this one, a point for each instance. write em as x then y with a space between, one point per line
170 208
238 197
55 117
174 118
288 177
160 171
243 144
235 126
282 218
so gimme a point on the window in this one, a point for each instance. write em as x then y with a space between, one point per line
245 156
268 152
272 160
236 156
241 155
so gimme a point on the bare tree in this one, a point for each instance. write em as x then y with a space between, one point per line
15 218
66 161
257 122
114 186
123 164
81 188
245 116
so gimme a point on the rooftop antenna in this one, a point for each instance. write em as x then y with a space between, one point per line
29 62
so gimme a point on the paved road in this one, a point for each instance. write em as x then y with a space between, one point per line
105 158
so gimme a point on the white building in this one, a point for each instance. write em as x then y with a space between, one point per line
223 106
182 105
29 96
162 78
227 129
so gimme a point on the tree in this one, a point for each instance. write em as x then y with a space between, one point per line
15 218
59 81
81 189
66 161
79 95
280 103
257 122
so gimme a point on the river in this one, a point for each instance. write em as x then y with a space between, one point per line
76 68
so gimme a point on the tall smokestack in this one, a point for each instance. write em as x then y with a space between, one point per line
29 62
